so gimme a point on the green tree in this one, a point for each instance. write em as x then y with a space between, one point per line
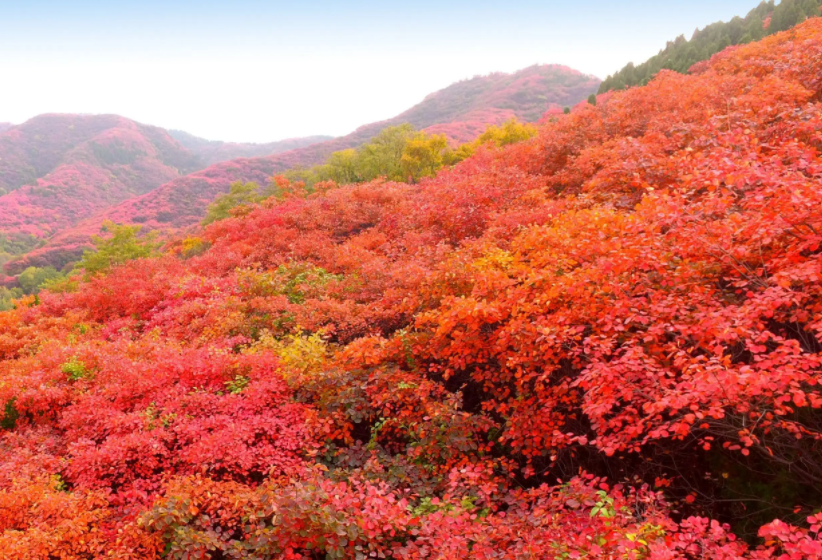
33 278
239 194
381 157
680 54
592 99
123 245
7 296
342 167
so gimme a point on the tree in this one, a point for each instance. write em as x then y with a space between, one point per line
239 194
592 99
7 296
341 167
124 245
423 156
679 55
33 278
509 132
382 155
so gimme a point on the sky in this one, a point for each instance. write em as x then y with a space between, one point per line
258 71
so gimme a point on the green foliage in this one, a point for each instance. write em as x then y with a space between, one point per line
63 283
566 110
423 155
509 132
12 245
679 55
123 245
30 281
33 279
381 157
10 415
592 99
7 296
240 194
237 385
397 153
75 369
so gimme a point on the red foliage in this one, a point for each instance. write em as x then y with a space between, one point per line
462 111
405 371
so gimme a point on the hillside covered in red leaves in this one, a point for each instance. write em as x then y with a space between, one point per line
461 111
604 342
58 169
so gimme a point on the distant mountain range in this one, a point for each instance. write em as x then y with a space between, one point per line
214 151
178 186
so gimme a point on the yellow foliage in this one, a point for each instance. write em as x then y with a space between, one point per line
423 155
509 132
301 354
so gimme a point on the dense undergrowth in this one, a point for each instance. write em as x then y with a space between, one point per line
602 342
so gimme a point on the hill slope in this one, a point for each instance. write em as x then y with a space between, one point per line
679 55
213 151
58 169
604 342
461 111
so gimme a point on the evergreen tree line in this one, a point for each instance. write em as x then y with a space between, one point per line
679 55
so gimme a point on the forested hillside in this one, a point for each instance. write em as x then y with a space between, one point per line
679 55
50 145
600 342
56 170
461 112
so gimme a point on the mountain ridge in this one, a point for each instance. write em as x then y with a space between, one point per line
215 151
472 104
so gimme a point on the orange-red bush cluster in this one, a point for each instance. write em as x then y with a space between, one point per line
601 343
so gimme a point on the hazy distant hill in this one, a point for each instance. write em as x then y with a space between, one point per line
47 144
464 109
461 111
214 151
58 169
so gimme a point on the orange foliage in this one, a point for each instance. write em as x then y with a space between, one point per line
406 371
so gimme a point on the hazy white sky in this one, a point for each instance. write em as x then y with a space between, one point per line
255 71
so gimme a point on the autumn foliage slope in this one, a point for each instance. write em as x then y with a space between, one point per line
603 342
461 111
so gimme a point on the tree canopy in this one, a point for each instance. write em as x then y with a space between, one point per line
679 55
